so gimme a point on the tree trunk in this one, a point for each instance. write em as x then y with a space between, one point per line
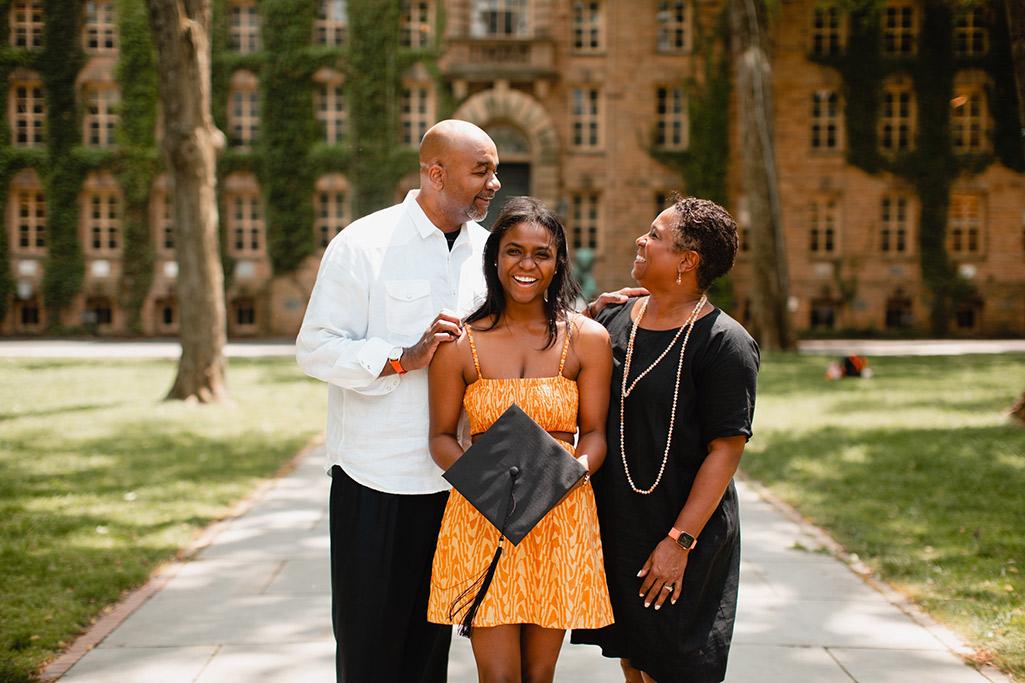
1016 27
181 33
771 323
1017 411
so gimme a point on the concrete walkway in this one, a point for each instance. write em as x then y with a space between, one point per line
253 605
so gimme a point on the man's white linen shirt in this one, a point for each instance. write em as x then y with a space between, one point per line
381 282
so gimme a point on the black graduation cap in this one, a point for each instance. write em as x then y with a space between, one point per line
513 474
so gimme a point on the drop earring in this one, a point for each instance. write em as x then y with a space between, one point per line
679 278
546 296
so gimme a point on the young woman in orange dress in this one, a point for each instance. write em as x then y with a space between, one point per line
524 345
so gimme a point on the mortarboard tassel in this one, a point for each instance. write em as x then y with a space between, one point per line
483 582
466 626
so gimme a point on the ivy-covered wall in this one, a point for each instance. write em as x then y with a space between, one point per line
137 162
59 63
291 153
931 165
287 158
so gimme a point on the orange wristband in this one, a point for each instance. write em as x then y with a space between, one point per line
396 366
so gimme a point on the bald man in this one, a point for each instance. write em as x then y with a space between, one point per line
391 288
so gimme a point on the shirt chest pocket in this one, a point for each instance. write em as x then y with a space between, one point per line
408 307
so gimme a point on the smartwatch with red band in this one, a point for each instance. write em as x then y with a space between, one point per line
393 360
683 539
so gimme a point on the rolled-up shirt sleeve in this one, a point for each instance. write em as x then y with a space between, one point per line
332 344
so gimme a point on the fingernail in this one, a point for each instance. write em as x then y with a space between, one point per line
640 595
658 607
647 604
673 601
640 573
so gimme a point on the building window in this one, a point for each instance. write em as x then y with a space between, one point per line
898 311
329 101
588 26
899 29
165 222
28 315
416 23
244 110
970 36
331 25
493 18
415 114
894 221
245 224
244 27
27 24
673 25
103 222
969 119
663 200
586 118
964 231
584 220
101 116
31 221
823 314
28 112
100 27
966 315
245 313
167 314
99 312
897 118
331 208
825 109
672 130
826 32
822 227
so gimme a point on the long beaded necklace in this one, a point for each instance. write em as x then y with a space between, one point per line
627 390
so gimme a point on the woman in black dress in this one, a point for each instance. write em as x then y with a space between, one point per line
683 393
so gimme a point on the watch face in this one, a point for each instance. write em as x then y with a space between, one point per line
685 541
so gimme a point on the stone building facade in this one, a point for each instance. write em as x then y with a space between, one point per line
582 98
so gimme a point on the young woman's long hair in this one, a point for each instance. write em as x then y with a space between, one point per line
563 289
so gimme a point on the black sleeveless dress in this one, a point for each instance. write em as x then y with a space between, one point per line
687 642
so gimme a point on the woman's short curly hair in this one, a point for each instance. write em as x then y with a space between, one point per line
707 228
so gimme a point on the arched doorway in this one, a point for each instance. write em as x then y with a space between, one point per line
514 166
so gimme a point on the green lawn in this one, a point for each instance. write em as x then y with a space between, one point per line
100 481
916 471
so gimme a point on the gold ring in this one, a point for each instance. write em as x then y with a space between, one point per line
668 587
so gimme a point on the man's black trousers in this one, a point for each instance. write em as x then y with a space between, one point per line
382 546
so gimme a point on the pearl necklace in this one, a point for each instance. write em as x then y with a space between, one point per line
627 390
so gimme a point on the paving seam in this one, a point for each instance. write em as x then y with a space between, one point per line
113 616
948 638
836 661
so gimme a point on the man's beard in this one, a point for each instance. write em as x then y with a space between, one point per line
476 215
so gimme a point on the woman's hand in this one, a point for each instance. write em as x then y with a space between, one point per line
583 460
663 571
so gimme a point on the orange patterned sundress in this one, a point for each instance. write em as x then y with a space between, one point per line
555 577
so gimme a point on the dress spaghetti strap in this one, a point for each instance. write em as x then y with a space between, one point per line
565 346
473 351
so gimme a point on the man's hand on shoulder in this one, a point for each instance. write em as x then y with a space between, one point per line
620 296
446 327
